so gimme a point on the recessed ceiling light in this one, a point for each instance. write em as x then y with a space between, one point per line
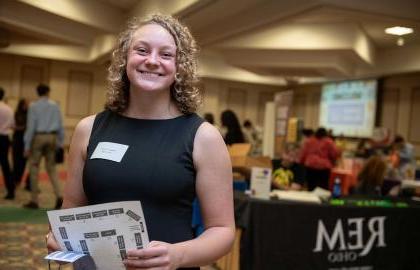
398 30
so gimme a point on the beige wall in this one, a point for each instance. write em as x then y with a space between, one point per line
245 99
79 89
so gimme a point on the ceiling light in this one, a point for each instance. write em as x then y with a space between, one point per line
398 30
400 41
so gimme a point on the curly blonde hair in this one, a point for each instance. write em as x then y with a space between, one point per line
184 91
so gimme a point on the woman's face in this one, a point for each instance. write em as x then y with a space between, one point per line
151 59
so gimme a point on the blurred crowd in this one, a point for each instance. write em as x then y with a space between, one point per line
37 133
384 161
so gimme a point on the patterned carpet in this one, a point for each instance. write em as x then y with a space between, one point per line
22 246
22 231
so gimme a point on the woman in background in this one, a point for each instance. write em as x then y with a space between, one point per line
209 118
233 128
318 155
19 160
371 177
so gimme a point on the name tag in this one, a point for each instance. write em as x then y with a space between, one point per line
109 151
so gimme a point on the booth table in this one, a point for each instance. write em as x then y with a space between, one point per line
285 235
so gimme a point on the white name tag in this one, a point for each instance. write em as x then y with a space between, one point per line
109 151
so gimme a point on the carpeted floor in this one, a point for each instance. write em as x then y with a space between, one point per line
22 246
22 231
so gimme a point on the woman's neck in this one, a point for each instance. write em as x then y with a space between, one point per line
151 105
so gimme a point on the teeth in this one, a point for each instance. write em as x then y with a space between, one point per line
150 74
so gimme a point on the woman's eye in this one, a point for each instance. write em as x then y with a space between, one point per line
142 51
167 55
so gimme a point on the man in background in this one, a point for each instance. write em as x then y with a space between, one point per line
44 133
7 121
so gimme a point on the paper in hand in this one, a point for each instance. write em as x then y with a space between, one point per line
103 231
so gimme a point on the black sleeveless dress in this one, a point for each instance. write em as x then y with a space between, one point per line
157 169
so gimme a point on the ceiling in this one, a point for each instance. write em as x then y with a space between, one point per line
259 41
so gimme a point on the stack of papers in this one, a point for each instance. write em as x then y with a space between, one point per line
410 184
303 196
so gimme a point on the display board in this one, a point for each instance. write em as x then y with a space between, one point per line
349 107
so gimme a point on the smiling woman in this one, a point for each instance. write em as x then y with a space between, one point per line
184 91
151 60
170 155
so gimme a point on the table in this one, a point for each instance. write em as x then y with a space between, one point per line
295 235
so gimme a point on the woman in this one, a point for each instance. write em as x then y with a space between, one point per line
318 155
233 128
173 154
19 159
371 177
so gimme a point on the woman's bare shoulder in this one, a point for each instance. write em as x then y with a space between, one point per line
85 125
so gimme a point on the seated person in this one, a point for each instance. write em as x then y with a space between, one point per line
364 149
371 177
404 156
287 173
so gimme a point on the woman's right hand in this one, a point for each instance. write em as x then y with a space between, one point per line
52 245
51 242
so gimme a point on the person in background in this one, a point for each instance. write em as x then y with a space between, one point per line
288 173
233 133
371 177
19 160
406 161
307 133
253 137
44 133
6 124
318 155
209 118
330 133
341 143
363 149
152 98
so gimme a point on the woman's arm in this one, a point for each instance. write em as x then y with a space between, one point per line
214 190
73 194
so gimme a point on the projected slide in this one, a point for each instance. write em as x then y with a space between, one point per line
349 107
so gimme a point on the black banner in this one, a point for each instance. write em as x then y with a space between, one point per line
286 235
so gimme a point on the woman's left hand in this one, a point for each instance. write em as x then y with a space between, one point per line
157 255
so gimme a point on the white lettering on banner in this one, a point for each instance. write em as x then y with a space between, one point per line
357 233
348 256
337 240
337 235
378 234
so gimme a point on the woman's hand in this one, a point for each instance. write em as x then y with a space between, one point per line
51 243
157 255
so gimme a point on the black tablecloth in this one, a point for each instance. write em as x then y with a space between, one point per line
288 235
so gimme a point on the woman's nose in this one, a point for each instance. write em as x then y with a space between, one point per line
152 59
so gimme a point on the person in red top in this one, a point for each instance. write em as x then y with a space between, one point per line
318 155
